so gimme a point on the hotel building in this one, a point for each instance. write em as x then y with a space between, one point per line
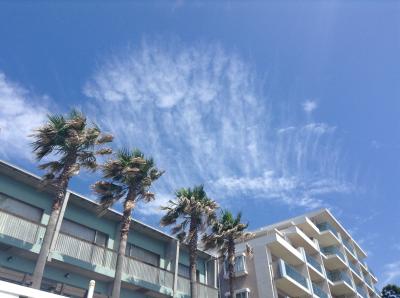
84 247
307 256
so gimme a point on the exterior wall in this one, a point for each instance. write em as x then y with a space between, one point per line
307 256
76 261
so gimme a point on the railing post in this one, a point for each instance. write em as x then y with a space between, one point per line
92 283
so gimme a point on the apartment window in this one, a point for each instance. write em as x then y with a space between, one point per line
143 255
20 208
239 264
184 271
79 231
243 294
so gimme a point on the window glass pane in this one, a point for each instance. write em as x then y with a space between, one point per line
239 264
77 230
101 239
184 270
144 255
20 208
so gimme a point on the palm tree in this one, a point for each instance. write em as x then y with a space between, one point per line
224 232
128 178
73 142
191 213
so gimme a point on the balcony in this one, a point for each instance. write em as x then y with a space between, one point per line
316 272
356 272
341 283
85 254
19 231
361 291
281 247
318 291
291 281
368 282
335 259
299 239
328 234
183 287
350 248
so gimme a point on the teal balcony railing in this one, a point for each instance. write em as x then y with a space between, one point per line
361 291
326 226
333 250
296 275
339 276
355 269
313 262
349 246
319 291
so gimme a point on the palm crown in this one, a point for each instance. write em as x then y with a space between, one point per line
71 139
225 231
129 176
192 206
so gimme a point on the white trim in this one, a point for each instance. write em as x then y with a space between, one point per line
14 291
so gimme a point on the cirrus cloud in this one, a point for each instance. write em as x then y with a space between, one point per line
201 112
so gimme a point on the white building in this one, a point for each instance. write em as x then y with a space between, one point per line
308 256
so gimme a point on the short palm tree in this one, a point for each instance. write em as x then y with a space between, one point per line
74 145
191 213
224 232
128 179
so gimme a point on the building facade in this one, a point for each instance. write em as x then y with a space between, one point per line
307 256
84 248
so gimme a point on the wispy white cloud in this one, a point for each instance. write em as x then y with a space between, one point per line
200 111
309 106
20 112
392 272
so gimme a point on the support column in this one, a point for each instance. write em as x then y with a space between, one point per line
176 266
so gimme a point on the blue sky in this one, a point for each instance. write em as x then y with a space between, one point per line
277 107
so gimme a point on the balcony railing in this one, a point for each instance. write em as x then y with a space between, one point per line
313 262
333 250
326 226
349 246
336 276
355 269
367 280
296 275
17 227
361 291
183 286
319 291
95 255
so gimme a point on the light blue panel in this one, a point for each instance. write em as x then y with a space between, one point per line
131 294
24 265
25 193
89 219
146 242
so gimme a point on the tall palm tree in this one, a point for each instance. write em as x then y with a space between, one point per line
191 213
224 232
128 179
73 144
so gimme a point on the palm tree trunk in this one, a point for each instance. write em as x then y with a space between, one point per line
193 257
126 222
231 266
49 234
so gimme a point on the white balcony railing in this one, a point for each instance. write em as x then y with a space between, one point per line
88 252
17 227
